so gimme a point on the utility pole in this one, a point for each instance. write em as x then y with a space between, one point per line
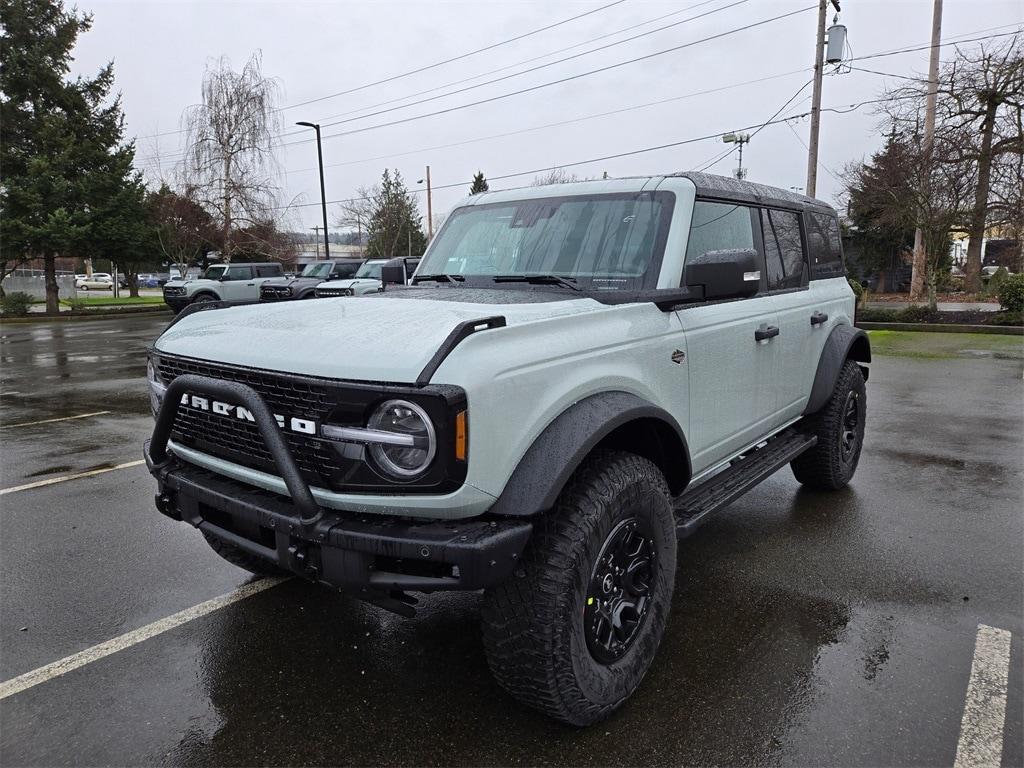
739 139
920 262
317 230
819 68
323 194
430 206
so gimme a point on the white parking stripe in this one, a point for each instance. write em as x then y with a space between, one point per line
65 478
981 730
51 421
136 636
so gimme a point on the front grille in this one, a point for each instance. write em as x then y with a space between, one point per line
331 292
271 292
239 441
174 291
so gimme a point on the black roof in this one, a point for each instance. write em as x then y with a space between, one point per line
709 185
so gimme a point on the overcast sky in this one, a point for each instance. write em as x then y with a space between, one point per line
160 50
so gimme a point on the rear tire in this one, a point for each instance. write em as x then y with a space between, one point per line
551 639
839 426
241 558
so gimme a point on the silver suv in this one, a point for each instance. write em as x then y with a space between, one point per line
221 282
578 376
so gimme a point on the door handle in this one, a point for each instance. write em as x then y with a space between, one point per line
766 332
818 318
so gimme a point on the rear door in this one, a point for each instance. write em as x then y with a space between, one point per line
732 398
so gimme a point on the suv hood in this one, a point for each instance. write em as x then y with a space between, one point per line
190 281
293 281
350 282
371 338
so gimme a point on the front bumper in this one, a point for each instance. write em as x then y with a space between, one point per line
377 557
177 303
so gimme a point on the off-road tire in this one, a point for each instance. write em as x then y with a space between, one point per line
533 624
202 297
829 466
241 558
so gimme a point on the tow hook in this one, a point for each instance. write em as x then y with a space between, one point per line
299 561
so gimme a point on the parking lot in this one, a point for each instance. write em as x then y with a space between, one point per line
806 629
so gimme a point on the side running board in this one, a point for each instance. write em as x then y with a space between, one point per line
697 504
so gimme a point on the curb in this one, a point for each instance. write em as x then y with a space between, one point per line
68 317
1001 330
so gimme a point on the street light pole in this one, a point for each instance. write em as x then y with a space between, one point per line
430 207
323 193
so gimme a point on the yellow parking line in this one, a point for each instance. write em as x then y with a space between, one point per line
65 478
51 421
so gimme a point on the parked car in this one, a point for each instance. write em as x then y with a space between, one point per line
144 281
221 282
94 283
579 375
304 285
366 280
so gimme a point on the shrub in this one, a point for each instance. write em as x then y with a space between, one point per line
1011 293
16 303
857 288
1003 318
877 316
996 281
76 304
916 313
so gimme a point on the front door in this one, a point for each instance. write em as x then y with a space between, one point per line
238 284
732 392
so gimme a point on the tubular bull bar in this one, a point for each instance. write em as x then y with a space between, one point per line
377 557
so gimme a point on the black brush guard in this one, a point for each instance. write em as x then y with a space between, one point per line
377 557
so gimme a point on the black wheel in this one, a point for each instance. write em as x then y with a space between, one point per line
575 629
830 464
85 287
204 297
241 558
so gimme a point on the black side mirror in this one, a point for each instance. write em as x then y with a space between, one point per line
724 274
393 272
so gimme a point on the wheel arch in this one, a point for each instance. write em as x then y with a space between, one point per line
844 343
617 420
205 292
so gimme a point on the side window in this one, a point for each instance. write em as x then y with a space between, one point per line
784 250
823 245
718 227
344 271
238 273
268 271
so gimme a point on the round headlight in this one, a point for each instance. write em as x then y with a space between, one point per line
347 292
416 442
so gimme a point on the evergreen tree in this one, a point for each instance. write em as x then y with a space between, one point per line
479 184
395 225
69 187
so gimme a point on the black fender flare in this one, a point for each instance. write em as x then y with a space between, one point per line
621 420
844 343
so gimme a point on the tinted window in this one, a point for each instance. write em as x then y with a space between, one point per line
823 246
345 270
268 271
783 250
238 273
718 227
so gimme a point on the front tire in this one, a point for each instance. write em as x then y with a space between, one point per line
574 630
839 426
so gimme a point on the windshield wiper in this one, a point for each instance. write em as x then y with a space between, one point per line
564 282
438 278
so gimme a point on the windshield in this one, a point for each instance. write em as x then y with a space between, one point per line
321 269
612 241
370 269
214 273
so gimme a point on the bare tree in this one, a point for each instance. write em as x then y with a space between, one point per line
977 129
355 213
229 165
555 176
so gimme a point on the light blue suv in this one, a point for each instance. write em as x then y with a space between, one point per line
579 375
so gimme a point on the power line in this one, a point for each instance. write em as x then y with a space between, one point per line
694 140
453 58
537 58
426 67
548 84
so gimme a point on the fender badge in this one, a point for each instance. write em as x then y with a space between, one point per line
678 356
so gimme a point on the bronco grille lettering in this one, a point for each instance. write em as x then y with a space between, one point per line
289 423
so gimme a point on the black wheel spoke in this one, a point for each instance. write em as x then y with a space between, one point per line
620 589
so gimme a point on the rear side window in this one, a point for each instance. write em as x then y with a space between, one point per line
238 273
784 250
270 270
823 245
718 227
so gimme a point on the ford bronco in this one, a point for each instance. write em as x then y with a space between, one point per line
304 285
577 376
220 282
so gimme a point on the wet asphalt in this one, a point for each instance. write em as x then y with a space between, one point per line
807 629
